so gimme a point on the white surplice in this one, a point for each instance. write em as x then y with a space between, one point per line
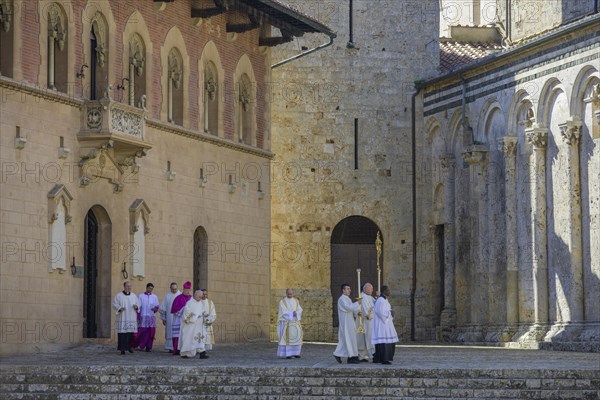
126 320
366 349
347 346
383 323
165 315
290 329
209 318
191 337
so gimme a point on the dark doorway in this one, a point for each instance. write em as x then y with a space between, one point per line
200 259
90 323
440 270
353 247
93 65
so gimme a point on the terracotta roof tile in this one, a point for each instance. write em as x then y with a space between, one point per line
454 55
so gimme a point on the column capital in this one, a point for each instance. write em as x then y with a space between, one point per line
537 136
597 115
570 130
475 154
448 161
508 145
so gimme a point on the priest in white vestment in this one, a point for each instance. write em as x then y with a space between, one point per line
126 305
210 315
347 346
366 349
191 338
384 332
290 330
166 316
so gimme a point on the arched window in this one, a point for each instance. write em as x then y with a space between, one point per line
6 39
211 99
57 48
98 56
175 88
137 72
246 107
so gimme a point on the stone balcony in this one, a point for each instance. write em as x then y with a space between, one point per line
112 139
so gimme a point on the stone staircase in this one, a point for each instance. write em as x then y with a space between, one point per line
121 382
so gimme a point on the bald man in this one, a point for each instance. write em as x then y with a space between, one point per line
290 330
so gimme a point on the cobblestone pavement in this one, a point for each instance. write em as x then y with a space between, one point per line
318 355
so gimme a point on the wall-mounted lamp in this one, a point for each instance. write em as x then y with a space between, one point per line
74 267
19 141
121 86
232 186
261 194
63 151
170 174
203 179
81 73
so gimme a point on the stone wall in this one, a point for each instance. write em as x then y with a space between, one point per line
316 101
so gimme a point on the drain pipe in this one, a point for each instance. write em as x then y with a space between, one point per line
307 52
463 108
413 287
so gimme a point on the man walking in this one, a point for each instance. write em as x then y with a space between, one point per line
347 346
290 330
192 327
210 315
126 305
177 311
148 308
166 316
365 347
384 332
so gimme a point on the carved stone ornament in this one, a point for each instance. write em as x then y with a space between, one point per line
94 117
138 207
59 192
5 15
136 54
56 25
538 137
127 122
175 69
571 131
448 162
211 88
475 154
508 145
99 29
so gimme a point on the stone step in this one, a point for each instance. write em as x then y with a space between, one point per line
169 382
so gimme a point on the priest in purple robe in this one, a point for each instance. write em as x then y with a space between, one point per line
177 311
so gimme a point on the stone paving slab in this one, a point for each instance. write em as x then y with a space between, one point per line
318 355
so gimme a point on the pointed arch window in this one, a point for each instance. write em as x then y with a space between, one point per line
137 72
6 38
57 48
98 56
246 110
211 99
175 88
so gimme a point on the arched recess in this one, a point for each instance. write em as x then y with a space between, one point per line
97 289
57 15
491 124
546 100
174 40
245 102
200 272
59 215
99 30
352 247
211 60
456 140
135 40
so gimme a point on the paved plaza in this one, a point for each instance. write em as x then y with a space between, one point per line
319 355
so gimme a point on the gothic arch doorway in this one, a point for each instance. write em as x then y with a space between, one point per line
200 259
97 276
353 247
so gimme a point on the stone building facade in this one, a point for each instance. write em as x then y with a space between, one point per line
505 244
135 144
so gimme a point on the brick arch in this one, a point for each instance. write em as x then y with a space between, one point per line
174 39
136 24
211 54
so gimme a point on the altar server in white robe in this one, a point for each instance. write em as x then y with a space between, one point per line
191 338
167 317
126 305
347 346
366 349
384 332
290 329
210 315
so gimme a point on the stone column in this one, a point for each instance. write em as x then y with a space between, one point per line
571 134
476 157
448 317
508 146
131 84
538 137
51 36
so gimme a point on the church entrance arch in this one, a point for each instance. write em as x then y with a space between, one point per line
97 274
200 259
353 247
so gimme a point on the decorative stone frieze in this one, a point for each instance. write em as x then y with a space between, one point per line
537 137
571 131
